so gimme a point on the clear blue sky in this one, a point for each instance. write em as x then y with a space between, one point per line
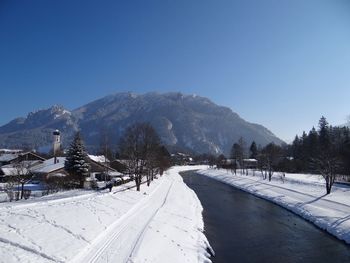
279 63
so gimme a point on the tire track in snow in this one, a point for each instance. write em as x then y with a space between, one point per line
141 235
121 232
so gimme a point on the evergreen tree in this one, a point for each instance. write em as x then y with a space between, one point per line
324 134
313 142
76 163
296 145
253 149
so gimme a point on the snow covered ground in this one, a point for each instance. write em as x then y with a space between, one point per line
162 223
300 193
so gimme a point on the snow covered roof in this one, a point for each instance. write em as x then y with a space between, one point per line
56 175
250 160
10 150
114 173
8 157
49 165
122 161
29 163
98 158
19 168
9 171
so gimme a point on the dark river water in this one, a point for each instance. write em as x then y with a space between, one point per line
243 228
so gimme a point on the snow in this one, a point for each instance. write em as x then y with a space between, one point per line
114 174
98 158
49 165
301 193
161 223
15 168
10 170
8 157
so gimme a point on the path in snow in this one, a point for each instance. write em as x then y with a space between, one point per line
120 239
103 227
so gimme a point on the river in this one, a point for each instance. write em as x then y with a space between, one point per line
244 228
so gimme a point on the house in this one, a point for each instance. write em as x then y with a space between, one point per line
229 162
98 158
22 169
250 163
119 165
100 168
49 168
234 163
181 158
8 158
2 151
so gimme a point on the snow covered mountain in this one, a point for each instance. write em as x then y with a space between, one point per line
186 122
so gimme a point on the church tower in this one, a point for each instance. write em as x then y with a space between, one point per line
56 144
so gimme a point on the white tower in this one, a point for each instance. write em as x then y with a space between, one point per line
56 144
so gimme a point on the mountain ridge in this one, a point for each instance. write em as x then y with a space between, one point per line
188 122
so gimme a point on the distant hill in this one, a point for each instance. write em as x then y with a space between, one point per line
184 122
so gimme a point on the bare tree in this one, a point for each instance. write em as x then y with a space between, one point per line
262 164
138 146
105 149
272 153
20 174
327 165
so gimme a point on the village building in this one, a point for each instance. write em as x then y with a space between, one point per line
181 158
100 168
250 163
119 165
50 167
9 158
3 151
22 169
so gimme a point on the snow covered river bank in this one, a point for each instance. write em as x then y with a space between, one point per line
244 228
303 194
162 223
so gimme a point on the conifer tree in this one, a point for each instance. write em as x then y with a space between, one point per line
76 163
253 149
324 134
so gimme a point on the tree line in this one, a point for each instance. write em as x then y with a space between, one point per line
324 151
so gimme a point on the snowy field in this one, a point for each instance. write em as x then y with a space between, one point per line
300 193
162 223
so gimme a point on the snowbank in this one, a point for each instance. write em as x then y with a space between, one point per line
300 193
162 223
177 228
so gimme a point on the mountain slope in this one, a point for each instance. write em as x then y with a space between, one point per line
183 122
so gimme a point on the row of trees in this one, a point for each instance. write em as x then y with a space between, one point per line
140 147
144 154
325 151
268 157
